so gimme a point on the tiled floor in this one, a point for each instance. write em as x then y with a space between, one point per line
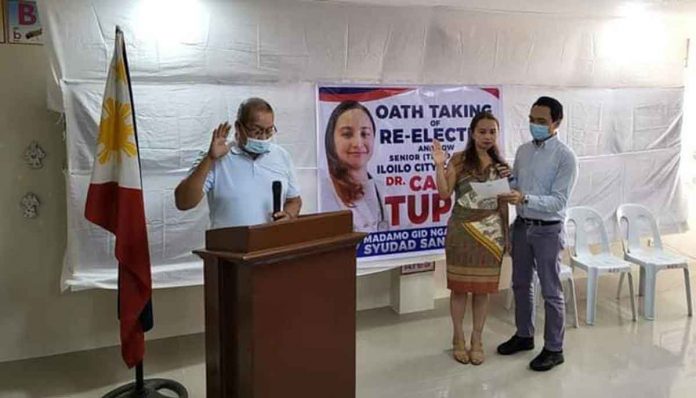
409 356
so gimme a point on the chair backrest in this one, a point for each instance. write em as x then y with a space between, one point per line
584 217
632 215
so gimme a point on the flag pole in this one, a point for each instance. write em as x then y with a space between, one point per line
142 388
149 388
139 380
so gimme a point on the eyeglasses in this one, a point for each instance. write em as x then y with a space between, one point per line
260 133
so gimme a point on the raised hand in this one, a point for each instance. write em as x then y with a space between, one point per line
218 145
439 154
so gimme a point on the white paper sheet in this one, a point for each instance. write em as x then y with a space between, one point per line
491 189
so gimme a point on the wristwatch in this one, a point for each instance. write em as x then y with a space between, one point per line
525 199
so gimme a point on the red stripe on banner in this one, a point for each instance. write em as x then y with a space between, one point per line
492 90
121 211
371 95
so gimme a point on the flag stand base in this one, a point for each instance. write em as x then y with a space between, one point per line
148 388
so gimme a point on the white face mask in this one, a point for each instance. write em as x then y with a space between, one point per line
539 131
258 146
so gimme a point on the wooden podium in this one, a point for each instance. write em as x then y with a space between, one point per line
280 308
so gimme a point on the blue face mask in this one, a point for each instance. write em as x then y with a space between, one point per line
258 147
539 131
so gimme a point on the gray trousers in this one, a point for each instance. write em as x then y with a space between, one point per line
538 247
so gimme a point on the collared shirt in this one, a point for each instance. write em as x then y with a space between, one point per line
239 188
546 173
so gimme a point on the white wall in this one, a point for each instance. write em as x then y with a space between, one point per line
35 318
689 138
372 44
192 62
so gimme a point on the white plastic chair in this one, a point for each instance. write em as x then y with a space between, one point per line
595 264
651 260
566 275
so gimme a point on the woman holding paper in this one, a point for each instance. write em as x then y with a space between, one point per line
477 232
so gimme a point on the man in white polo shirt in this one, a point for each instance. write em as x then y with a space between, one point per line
238 177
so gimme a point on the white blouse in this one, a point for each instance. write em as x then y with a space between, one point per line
369 214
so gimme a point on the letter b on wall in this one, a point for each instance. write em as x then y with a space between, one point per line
26 13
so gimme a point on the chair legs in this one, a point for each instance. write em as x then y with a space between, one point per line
687 284
650 281
538 296
509 298
641 282
632 297
647 284
592 277
574 301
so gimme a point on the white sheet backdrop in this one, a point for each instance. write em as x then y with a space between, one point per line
192 62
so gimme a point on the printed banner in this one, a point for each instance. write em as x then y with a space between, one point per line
374 149
23 24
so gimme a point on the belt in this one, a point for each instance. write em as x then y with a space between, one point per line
530 221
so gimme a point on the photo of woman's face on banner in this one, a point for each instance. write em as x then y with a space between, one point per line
374 146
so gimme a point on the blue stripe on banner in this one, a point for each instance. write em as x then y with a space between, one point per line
346 90
402 241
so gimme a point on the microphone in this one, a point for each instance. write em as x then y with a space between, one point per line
277 188
511 178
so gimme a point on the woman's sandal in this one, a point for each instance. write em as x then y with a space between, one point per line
459 351
476 355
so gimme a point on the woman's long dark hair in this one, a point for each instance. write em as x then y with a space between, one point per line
470 159
347 189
